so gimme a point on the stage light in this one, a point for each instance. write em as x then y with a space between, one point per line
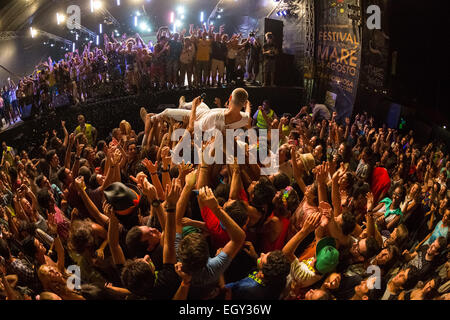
219 16
76 37
52 45
180 10
118 2
97 5
172 17
138 13
135 21
73 46
97 40
202 16
143 26
182 17
33 32
100 28
60 18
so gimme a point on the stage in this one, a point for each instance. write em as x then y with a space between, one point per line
106 114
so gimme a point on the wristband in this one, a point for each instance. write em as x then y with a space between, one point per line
154 173
165 170
203 167
170 210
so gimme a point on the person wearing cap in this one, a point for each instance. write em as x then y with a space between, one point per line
309 271
140 275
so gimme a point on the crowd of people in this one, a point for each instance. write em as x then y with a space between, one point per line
352 212
200 58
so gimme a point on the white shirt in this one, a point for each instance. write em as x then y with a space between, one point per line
215 118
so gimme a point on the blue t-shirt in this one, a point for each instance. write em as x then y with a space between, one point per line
251 289
439 231
208 277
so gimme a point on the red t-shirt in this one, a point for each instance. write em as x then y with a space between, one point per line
279 243
380 182
219 237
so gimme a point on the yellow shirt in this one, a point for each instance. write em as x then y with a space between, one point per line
203 49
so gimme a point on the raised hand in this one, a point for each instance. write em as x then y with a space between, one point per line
79 183
311 222
325 210
139 179
185 169
191 178
185 278
173 193
206 196
151 167
107 209
250 249
149 190
370 200
51 223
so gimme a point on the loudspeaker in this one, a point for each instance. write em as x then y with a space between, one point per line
27 112
276 27
286 74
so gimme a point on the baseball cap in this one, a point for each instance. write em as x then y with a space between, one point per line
327 256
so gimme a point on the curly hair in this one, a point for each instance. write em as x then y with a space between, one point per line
138 277
193 252
80 236
276 269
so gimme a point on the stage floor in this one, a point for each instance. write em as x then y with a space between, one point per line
106 114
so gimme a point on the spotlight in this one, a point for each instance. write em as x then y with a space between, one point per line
180 10
138 13
135 21
73 46
118 2
219 16
97 5
60 18
101 28
33 32
172 17
202 16
97 40
143 26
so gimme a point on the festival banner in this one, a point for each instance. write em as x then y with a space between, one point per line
338 53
